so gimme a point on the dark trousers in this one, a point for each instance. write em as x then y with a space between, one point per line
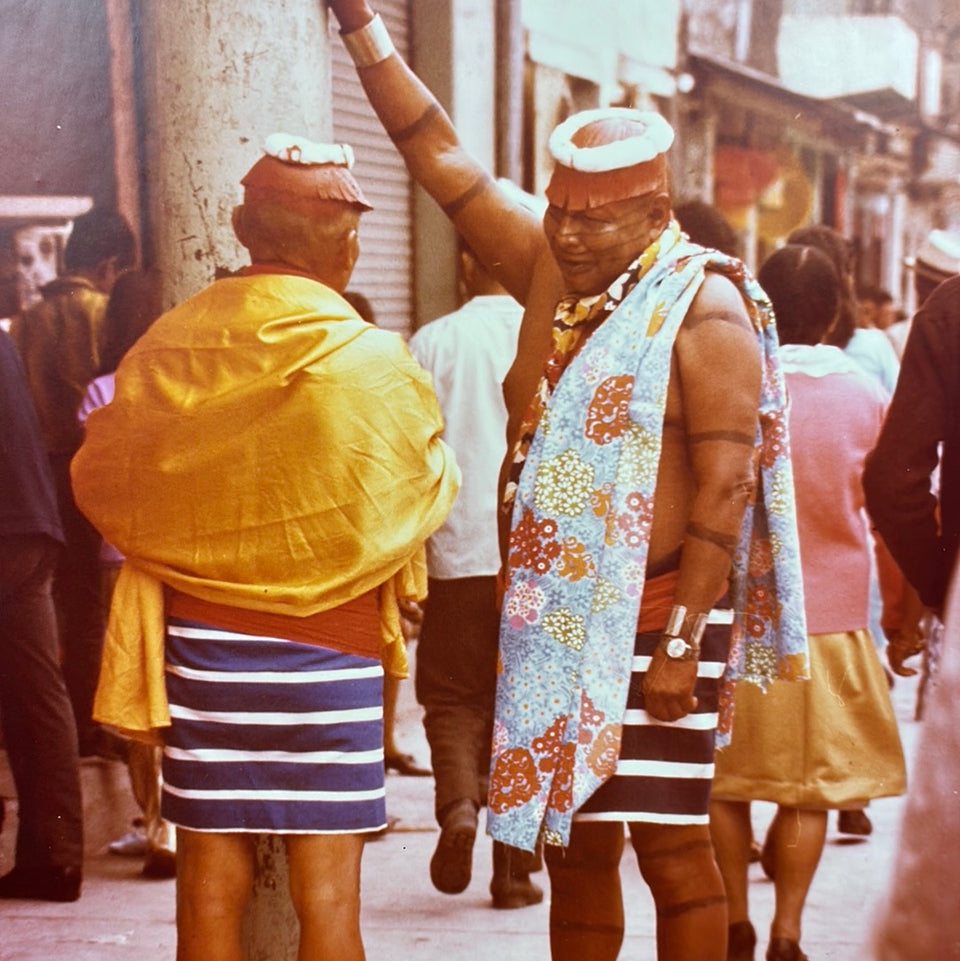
456 677
79 599
35 711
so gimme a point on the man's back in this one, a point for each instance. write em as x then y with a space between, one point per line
468 354
198 445
29 504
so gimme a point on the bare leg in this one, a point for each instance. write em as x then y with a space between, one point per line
391 687
677 863
731 833
325 890
586 906
798 837
143 766
214 881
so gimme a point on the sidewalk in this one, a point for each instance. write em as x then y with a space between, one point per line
122 917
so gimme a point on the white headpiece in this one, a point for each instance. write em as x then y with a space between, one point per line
653 137
299 150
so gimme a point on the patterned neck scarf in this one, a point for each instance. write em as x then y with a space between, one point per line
583 500
575 317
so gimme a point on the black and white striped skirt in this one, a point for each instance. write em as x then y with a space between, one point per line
665 769
270 735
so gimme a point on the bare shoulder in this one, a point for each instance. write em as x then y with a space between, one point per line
720 301
717 327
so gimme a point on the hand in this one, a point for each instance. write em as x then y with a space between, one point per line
902 645
411 610
668 687
350 14
411 617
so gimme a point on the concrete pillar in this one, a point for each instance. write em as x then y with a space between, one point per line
218 77
271 931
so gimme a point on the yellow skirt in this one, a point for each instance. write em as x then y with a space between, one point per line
822 743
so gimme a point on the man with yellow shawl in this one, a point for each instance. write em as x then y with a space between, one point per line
270 467
652 544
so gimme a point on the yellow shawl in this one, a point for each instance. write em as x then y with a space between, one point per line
267 449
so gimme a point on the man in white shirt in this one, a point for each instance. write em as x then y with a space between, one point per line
468 353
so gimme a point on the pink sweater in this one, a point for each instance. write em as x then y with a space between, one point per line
835 415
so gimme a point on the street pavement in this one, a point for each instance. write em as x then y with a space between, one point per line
124 917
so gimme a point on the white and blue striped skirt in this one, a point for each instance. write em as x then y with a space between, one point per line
270 735
665 769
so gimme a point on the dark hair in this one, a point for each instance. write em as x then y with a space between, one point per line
133 306
361 305
876 295
97 236
705 225
804 289
839 251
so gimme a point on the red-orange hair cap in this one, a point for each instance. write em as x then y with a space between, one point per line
295 171
607 155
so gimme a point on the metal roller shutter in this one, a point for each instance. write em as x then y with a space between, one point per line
384 273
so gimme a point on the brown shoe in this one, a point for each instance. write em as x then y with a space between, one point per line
160 863
854 822
42 884
452 863
782 949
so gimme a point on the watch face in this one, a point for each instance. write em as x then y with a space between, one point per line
677 647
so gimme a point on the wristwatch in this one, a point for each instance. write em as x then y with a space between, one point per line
675 644
677 649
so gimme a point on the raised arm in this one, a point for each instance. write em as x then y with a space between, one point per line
506 237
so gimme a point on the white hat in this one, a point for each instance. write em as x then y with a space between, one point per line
939 256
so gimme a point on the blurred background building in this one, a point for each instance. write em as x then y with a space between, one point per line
787 112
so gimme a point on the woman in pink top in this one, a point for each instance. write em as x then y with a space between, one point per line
831 741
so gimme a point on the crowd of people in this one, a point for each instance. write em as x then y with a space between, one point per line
659 524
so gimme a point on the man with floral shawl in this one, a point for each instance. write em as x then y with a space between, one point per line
651 548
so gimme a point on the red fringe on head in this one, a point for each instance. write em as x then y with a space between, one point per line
577 190
272 180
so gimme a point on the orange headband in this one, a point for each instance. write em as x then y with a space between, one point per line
576 190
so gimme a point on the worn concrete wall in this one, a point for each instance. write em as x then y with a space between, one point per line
218 78
55 100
